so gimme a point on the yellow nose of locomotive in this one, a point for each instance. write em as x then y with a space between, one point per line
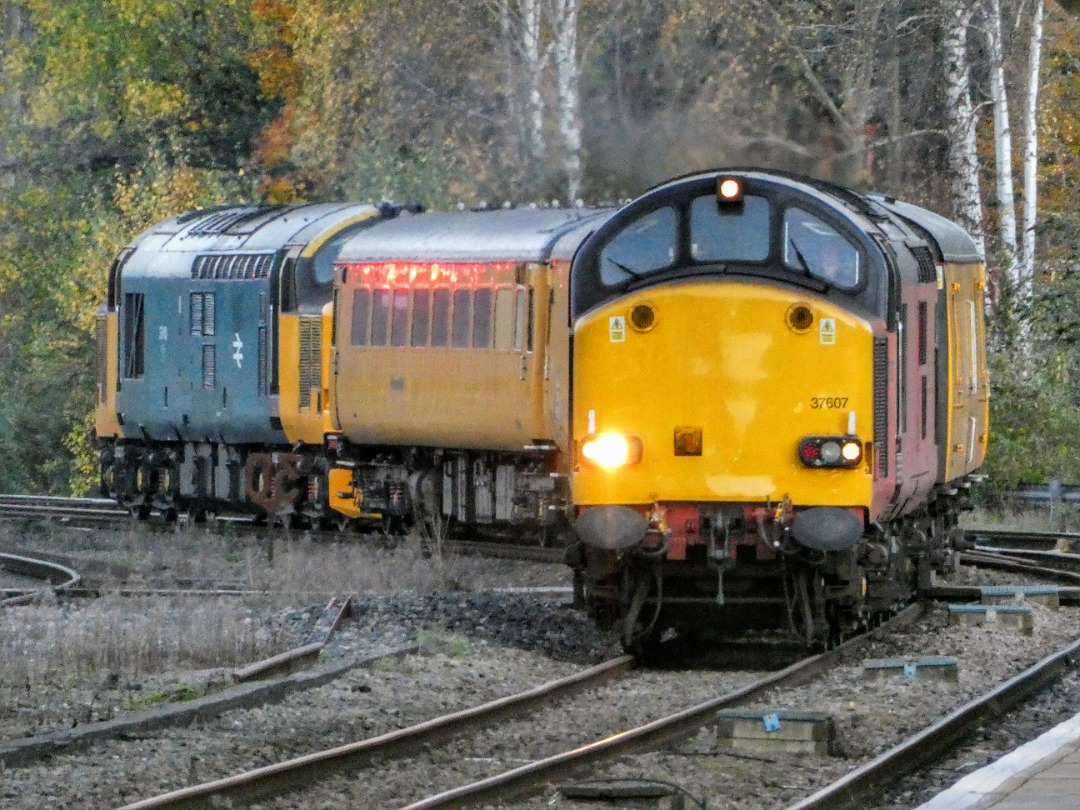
723 392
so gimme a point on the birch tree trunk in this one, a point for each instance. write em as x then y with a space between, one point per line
567 72
511 85
534 67
1002 146
963 160
1031 154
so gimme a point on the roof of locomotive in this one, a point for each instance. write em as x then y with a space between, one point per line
952 242
168 247
520 234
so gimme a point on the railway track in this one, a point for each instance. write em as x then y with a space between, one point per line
98 513
931 745
544 766
58 578
1023 540
90 512
274 780
1029 553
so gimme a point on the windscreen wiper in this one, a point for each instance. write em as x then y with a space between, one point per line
625 269
802 260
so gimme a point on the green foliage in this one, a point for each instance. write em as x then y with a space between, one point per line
1035 383
104 78
58 241
119 113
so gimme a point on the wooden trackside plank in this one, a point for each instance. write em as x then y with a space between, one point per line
335 612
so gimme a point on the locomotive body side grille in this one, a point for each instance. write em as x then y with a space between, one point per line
310 358
232 266
100 362
927 268
881 405
209 366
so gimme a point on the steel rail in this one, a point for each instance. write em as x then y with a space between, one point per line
1004 561
278 778
650 735
60 577
1063 561
1029 539
928 745
6 499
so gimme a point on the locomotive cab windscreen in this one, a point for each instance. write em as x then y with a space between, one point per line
691 229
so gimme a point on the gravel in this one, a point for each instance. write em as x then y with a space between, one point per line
479 644
869 717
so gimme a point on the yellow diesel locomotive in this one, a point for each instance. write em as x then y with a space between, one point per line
780 399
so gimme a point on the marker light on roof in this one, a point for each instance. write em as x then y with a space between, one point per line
729 189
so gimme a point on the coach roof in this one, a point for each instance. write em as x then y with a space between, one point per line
524 234
170 247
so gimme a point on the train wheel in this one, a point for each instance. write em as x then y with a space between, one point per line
808 613
641 625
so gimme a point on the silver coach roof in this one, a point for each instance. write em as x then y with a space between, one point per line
523 234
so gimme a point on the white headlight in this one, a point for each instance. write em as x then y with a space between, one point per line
608 450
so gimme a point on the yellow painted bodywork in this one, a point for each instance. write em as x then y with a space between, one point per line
462 398
305 415
106 423
344 497
721 357
968 381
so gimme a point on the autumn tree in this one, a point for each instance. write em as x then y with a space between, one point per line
108 77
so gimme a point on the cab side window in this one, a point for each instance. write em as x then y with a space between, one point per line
644 246
814 247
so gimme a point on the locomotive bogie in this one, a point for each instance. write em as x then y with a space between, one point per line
467 488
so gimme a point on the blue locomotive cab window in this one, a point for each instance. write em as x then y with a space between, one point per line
323 266
644 246
814 247
738 235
